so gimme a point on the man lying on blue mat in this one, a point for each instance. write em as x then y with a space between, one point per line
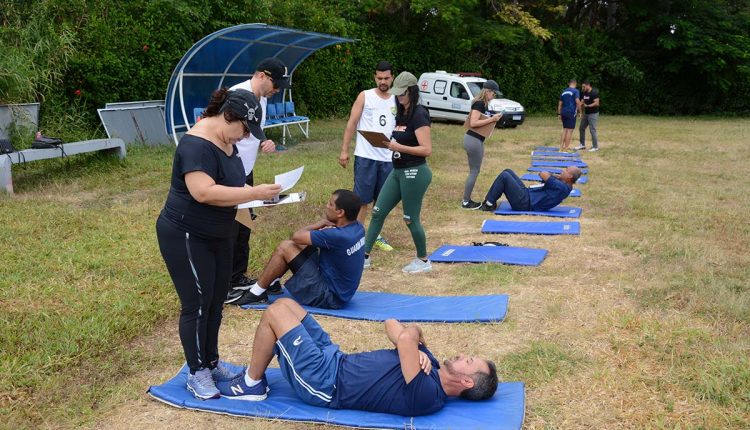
556 188
406 381
326 259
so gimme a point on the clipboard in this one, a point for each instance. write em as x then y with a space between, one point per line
375 138
485 130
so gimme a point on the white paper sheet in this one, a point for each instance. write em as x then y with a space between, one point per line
289 179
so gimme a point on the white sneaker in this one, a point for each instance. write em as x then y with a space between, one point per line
367 263
594 149
417 266
580 147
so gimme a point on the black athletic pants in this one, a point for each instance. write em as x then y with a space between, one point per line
200 272
242 244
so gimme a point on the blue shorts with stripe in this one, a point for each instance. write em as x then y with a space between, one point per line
309 361
369 177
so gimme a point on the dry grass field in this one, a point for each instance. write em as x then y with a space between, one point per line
642 321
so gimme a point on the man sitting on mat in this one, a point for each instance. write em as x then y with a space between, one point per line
326 259
556 188
406 381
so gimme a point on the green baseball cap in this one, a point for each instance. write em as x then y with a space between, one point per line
403 81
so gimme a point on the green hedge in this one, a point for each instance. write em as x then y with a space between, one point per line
77 55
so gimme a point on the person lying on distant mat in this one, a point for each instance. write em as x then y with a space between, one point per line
406 380
326 259
556 188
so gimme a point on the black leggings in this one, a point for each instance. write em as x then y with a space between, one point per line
200 270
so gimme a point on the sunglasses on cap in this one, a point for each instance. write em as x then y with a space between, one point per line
273 81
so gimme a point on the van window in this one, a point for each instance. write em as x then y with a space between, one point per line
439 87
475 88
459 91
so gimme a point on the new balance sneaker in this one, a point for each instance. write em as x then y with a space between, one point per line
488 207
580 147
242 283
471 205
274 288
382 244
222 372
202 385
233 295
238 389
248 298
417 266
368 262
594 149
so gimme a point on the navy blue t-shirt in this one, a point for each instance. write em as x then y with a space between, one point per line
342 257
373 381
404 134
568 97
199 219
550 195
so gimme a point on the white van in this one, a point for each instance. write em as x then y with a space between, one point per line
448 97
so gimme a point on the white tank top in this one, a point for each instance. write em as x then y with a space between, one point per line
377 115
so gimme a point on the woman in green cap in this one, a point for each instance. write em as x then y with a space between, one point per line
408 181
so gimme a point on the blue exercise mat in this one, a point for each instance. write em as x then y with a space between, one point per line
536 178
381 306
530 227
558 164
575 193
504 411
537 158
557 211
547 148
552 170
554 153
488 254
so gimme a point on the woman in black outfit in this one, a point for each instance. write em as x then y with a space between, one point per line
196 227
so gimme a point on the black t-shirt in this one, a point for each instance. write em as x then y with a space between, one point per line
199 219
480 106
589 98
404 134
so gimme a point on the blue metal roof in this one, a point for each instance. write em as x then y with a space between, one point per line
229 56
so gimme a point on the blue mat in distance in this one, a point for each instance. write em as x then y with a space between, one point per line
557 211
547 148
374 306
554 153
530 227
537 158
536 178
552 170
488 254
575 193
504 411
558 163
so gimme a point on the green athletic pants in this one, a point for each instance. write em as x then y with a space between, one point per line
407 185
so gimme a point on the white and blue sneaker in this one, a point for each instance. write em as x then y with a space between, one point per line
239 390
417 266
368 263
222 372
202 385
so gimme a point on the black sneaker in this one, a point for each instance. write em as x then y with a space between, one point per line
274 288
233 296
488 207
243 283
248 298
471 205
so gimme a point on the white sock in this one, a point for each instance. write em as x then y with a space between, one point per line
250 382
257 289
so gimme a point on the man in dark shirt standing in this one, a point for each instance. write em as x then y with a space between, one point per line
406 381
556 188
590 104
567 108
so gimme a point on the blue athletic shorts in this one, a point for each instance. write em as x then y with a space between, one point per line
369 177
307 285
309 361
568 121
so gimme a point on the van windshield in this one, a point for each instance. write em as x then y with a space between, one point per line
475 88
